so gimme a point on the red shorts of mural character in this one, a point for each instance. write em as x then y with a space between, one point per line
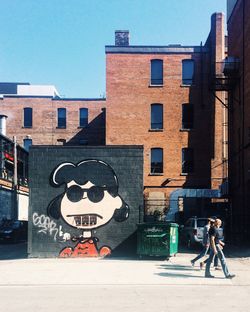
85 248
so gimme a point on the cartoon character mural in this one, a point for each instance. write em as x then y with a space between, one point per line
90 200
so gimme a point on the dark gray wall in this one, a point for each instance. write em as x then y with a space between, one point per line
6 204
47 234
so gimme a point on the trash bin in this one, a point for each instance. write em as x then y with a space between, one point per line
157 239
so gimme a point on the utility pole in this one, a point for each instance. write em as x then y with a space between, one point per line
15 185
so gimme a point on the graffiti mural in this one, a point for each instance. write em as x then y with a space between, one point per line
47 226
90 200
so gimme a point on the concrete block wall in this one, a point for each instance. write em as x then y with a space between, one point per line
50 235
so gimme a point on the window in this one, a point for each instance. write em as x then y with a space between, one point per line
156 72
61 117
156 116
27 117
187 72
83 117
61 141
187 116
201 223
187 160
27 143
156 160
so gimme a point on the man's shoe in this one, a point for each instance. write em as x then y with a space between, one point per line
201 265
209 276
230 276
217 268
192 263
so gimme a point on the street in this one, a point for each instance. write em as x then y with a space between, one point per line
119 284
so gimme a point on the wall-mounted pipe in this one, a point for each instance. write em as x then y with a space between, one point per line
3 119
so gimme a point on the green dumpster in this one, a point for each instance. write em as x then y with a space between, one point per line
157 239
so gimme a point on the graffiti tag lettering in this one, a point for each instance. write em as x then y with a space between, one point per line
48 226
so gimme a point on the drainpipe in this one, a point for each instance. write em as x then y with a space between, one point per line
243 118
3 119
3 132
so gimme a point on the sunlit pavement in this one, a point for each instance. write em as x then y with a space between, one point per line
120 284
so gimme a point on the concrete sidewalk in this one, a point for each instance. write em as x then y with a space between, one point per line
176 271
121 284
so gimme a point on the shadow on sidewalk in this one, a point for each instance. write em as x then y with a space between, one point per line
178 275
176 271
178 267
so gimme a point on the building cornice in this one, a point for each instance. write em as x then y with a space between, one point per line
52 98
172 49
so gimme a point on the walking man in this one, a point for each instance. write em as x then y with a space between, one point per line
206 245
205 242
216 246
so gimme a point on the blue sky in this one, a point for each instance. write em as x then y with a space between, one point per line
62 42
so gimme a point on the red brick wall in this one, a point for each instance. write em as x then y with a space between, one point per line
44 130
217 47
129 97
239 46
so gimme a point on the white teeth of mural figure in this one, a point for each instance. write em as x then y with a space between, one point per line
85 220
92 220
77 221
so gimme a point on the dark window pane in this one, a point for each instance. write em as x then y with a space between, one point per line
61 116
156 116
201 223
83 117
27 117
187 72
156 72
156 160
187 160
187 116
27 143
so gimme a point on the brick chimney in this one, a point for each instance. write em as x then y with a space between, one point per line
122 38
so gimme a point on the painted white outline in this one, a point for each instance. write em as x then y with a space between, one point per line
58 168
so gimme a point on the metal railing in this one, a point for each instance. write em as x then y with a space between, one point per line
8 175
227 68
225 74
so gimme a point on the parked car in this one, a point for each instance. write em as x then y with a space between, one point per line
191 233
13 230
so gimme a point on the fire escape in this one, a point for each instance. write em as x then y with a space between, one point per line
225 76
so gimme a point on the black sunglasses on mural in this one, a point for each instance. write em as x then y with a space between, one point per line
94 193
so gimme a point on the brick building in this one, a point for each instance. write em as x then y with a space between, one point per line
162 97
239 115
48 119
